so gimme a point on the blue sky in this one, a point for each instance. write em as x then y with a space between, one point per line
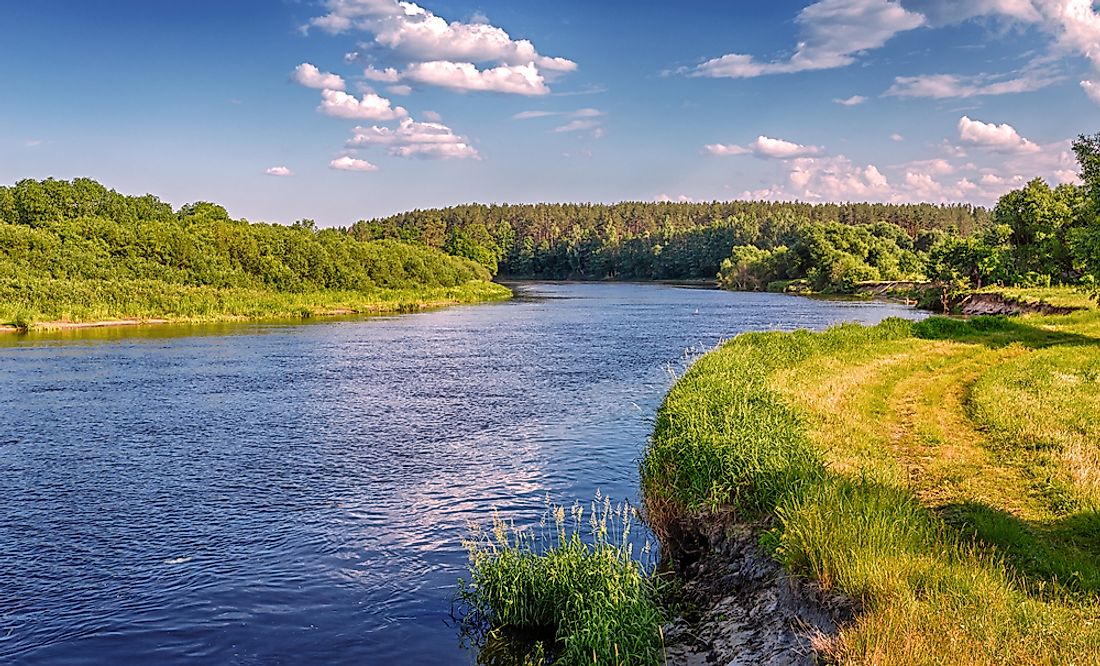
338 110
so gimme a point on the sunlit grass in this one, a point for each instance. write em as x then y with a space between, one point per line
898 464
39 303
1059 296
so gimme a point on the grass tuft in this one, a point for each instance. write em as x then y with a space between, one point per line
571 593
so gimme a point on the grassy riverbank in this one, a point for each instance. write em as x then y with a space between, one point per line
73 252
50 304
945 475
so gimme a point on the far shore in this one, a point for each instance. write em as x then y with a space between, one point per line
379 309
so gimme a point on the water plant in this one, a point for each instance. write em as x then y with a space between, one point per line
572 591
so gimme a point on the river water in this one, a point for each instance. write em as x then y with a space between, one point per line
296 494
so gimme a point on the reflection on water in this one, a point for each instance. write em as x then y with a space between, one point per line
271 493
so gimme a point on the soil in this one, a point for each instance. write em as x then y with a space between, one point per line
745 609
997 304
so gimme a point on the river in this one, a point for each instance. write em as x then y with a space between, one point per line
289 494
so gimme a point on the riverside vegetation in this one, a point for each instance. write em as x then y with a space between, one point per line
78 252
942 476
1036 236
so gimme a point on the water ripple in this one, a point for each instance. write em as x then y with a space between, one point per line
267 494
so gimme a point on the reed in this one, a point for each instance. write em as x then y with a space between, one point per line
572 591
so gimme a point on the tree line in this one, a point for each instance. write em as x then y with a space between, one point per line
1036 235
80 230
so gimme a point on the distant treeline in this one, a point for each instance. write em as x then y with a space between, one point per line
1037 235
645 240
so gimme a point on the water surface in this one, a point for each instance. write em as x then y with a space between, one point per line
267 493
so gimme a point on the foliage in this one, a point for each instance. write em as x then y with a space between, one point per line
72 247
635 240
578 595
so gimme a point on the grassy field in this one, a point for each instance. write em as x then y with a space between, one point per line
47 303
944 475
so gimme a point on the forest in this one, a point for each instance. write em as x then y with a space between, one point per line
79 251
1034 236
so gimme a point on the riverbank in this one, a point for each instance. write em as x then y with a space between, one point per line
941 479
73 305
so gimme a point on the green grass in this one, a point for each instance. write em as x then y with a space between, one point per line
1062 297
573 593
45 302
900 464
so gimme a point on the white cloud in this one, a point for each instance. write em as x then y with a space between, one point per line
417 35
1092 89
465 76
279 171
854 100
937 166
348 163
828 179
388 75
1074 24
311 77
370 107
765 148
32 143
527 115
579 113
415 139
832 34
682 198
399 90
945 86
432 116
999 138
592 126
581 120
897 138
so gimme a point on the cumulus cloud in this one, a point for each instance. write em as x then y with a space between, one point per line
431 140
854 100
1092 89
945 86
897 138
418 36
681 198
831 34
999 138
827 179
937 166
348 163
765 148
465 76
387 75
369 107
309 76
279 171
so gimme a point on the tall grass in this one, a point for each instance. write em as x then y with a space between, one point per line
728 440
571 592
27 303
